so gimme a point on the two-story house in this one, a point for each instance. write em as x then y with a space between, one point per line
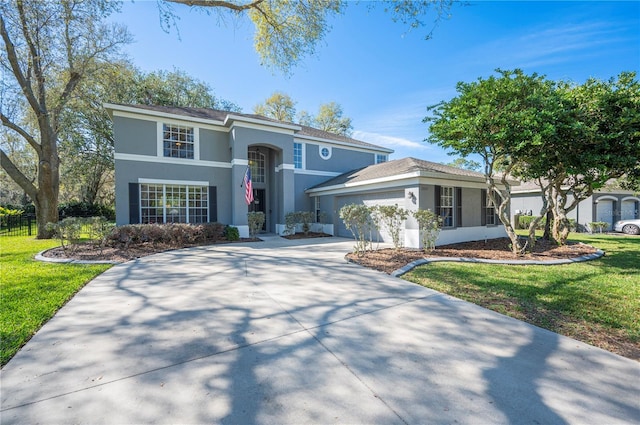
188 164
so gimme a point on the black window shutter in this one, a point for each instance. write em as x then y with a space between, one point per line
213 204
134 203
483 214
458 205
436 199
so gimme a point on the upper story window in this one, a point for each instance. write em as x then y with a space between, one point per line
256 163
297 155
381 158
178 141
325 152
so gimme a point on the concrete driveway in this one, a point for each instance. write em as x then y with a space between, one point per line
288 332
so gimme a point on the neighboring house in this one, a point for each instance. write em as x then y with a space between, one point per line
458 196
607 205
187 165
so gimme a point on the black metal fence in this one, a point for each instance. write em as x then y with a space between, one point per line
18 225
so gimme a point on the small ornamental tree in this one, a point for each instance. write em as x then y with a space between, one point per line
429 224
392 218
256 221
357 219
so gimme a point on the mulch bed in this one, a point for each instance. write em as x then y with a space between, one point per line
389 259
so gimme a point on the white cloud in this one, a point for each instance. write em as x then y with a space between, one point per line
390 142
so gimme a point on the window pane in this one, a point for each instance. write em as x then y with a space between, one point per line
178 141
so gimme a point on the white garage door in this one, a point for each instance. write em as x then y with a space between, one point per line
628 210
604 212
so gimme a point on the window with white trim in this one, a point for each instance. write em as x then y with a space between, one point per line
167 203
324 151
446 206
317 208
178 141
381 158
297 155
256 163
490 212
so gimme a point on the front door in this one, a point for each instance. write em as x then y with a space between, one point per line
260 204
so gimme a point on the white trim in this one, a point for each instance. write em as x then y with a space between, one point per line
243 230
604 198
629 198
383 183
316 173
261 123
321 148
168 160
303 153
261 127
286 167
173 182
238 161
352 145
160 139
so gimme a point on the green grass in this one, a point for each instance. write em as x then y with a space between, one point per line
32 291
597 301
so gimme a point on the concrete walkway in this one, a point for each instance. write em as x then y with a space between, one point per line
288 332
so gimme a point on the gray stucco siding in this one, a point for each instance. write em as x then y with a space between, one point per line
251 136
303 182
135 136
214 145
131 171
341 160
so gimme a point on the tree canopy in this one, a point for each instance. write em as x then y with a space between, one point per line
569 138
48 49
329 118
286 31
279 106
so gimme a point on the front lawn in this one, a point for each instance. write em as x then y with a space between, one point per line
31 291
597 302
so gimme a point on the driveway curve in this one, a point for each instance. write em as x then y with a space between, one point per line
289 332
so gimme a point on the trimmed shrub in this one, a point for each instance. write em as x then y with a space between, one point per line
68 230
256 221
430 225
213 232
357 219
393 217
84 209
231 233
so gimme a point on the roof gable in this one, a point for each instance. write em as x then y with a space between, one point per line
399 167
225 117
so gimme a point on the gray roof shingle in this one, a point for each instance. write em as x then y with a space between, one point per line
396 168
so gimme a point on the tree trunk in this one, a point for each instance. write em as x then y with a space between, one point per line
46 201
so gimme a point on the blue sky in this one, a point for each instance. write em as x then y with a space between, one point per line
384 75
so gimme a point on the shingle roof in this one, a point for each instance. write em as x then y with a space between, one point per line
396 168
217 115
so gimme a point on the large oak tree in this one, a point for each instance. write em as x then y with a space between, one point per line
45 43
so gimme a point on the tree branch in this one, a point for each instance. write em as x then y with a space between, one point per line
15 67
17 175
219 3
21 131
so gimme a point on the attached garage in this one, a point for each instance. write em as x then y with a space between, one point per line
368 199
629 209
605 211
413 184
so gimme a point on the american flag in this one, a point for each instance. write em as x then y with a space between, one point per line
248 186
